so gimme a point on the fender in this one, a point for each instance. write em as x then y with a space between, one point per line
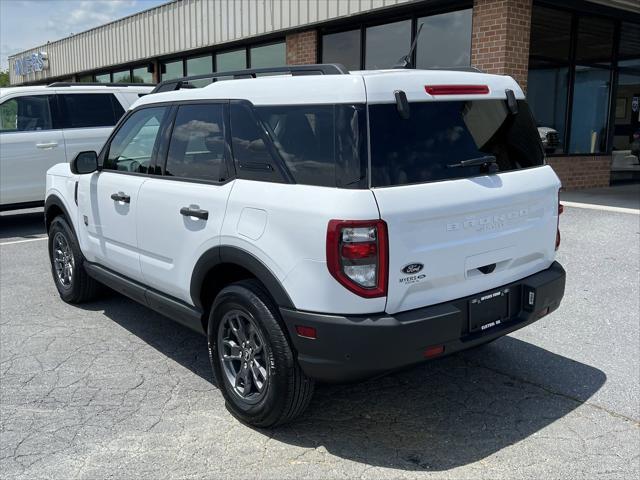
227 254
58 202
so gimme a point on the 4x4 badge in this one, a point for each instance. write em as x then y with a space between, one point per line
412 268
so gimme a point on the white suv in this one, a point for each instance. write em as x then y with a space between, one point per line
41 126
317 227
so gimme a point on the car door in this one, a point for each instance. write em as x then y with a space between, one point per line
88 118
181 211
108 199
30 143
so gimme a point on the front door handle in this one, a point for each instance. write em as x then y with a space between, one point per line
194 212
120 197
47 145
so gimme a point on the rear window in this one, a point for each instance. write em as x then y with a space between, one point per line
437 135
323 145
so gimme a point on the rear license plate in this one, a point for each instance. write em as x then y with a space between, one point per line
488 310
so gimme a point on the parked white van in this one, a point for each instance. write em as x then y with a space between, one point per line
41 126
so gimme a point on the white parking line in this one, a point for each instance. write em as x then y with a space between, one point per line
591 206
13 242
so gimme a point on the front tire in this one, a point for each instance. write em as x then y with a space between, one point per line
67 264
259 376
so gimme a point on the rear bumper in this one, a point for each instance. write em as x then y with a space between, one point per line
349 348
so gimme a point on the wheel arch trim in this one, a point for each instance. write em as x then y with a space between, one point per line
225 254
55 200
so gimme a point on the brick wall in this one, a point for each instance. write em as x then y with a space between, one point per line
302 48
582 172
500 37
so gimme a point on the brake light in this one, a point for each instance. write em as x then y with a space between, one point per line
457 89
560 210
357 255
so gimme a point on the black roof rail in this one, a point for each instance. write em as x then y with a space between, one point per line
294 70
99 84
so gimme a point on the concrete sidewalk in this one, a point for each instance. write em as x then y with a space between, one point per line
618 197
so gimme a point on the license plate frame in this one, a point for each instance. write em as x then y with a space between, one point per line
489 310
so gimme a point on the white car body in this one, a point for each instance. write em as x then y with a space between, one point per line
285 225
25 156
423 246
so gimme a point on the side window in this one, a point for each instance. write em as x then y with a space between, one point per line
253 157
132 147
197 148
86 110
26 114
322 145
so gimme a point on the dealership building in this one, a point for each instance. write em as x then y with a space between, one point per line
577 60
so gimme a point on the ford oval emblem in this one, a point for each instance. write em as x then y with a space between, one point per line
412 268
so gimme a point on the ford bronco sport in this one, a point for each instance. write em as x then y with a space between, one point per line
317 226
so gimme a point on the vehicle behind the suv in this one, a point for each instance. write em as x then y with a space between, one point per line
41 126
318 228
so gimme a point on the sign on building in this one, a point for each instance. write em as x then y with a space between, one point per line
35 62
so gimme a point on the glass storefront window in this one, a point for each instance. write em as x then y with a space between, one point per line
387 44
229 61
626 137
548 83
273 55
445 40
199 65
595 41
172 70
590 110
547 96
142 75
123 76
550 35
85 78
343 47
103 78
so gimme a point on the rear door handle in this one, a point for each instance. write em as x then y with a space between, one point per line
47 145
194 212
120 197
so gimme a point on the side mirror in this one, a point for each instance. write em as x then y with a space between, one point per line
85 162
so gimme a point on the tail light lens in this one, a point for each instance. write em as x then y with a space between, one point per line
560 210
357 255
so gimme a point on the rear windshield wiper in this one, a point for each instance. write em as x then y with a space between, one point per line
475 162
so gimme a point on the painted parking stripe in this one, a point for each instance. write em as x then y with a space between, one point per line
13 242
591 206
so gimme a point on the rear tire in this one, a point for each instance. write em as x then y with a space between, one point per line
257 371
67 264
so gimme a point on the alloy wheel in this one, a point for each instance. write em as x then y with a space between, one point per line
63 261
241 348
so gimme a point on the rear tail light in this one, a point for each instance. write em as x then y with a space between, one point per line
560 210
456 89
357 255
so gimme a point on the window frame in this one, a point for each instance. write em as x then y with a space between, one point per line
374 20
614 70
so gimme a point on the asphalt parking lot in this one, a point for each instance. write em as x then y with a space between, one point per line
112 390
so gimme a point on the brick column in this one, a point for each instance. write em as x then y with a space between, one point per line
302 48
500 38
